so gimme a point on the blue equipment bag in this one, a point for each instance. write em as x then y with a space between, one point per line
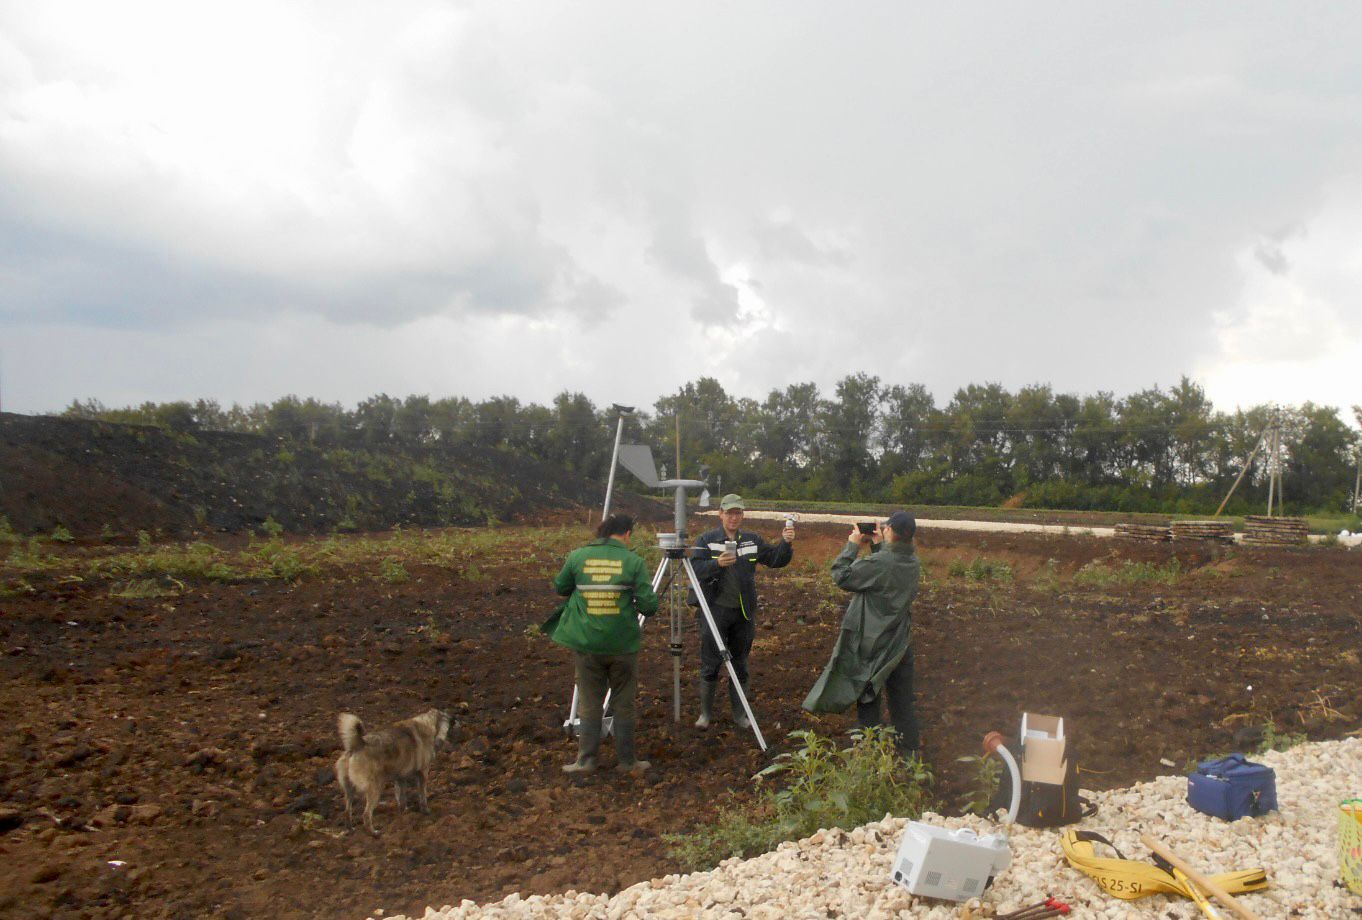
1231 788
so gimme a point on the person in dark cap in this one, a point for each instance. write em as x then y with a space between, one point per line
725 563
873 657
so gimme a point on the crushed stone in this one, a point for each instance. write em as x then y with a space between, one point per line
836 873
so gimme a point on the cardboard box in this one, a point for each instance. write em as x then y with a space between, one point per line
1042 740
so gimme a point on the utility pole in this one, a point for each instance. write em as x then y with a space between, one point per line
1274 463
1247 465
1271 461
1357 481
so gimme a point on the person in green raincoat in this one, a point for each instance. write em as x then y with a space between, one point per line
607 587
873 657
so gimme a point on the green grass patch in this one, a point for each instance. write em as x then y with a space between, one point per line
471 553
1331 524
17 588
981 569
1047 577
1101 575
825 786
1274 740
27 556
143 588
393 572
190 562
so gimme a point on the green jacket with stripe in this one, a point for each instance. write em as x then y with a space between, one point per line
607 587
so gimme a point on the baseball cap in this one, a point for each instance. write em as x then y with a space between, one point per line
903 524
731 501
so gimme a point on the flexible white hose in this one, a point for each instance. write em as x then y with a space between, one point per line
1016 782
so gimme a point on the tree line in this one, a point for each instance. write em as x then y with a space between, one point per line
1158 450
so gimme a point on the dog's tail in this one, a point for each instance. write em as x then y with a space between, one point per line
351 732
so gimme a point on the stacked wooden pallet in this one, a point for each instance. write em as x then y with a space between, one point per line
1144 533
1219 531
1280 531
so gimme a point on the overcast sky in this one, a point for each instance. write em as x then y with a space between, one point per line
241 201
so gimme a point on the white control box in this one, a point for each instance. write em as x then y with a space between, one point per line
956 865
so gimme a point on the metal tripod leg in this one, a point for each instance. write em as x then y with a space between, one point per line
675 600
573 721
723 652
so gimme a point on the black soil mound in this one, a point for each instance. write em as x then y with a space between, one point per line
103 480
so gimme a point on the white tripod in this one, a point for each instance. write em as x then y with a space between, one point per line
638 459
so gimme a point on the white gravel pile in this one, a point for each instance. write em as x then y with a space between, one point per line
839 874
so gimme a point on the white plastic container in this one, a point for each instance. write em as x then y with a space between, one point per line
953 865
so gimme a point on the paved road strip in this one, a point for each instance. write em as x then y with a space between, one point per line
989 526
927 524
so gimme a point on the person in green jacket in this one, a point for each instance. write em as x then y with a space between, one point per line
873 656
607 587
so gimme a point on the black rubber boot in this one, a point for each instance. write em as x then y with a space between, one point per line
740 717
588 744
624 747
707 691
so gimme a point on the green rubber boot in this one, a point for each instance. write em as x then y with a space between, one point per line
588 744
740 717
707 691
624 747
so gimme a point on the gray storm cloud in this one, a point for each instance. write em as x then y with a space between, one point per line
1063 195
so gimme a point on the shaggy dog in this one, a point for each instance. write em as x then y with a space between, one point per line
401 756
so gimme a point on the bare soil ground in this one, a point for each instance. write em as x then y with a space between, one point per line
171 756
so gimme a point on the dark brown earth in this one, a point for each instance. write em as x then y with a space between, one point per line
171 756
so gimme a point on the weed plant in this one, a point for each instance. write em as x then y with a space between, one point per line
16 588
28 556
1100 575
981 569
192 562
988 773
825 786
142 588
282 562
1274 740
393 572
1047 578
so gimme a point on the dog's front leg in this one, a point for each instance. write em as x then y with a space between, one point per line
421 791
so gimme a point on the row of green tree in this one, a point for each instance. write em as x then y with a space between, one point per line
1156 450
